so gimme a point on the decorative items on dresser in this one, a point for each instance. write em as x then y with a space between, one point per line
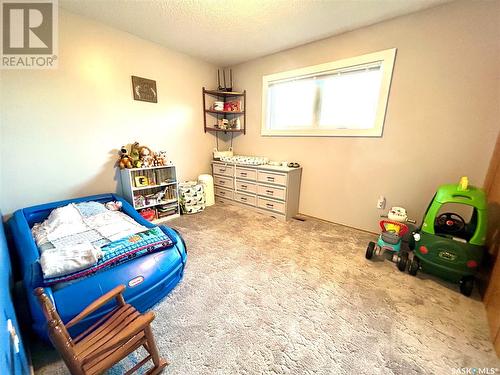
153 191
272 190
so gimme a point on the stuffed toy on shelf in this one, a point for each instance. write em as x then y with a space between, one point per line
135 154
125 160
146 156
141 157
160 158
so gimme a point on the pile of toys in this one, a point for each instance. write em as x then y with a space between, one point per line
445 245
141 157
165 202
163 196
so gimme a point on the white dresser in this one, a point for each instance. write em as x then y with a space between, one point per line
268 189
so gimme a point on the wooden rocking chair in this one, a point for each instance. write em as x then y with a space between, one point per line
108 341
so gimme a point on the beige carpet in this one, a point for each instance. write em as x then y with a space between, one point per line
261 296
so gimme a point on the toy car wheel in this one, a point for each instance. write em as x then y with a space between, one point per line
414 266
402 261
467 285
370 250
411 242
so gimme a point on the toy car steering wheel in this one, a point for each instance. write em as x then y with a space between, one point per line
450 222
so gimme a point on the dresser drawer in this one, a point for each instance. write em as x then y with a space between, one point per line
225 193
227 182
221 200
271 177
272 191
246 186
245 198
271 205
246 173
224 170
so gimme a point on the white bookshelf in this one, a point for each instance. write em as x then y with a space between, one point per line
162 179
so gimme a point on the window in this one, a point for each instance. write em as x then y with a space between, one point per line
342 98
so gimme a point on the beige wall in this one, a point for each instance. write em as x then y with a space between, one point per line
442 118
61 129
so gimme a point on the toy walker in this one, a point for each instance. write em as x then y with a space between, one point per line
391 238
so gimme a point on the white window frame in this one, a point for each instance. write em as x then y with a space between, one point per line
385 57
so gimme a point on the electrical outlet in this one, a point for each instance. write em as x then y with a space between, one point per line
381 202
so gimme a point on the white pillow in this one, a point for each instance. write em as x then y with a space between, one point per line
63 215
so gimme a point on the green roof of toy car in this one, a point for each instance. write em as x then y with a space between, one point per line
472 196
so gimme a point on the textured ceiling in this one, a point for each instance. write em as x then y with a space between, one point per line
227 32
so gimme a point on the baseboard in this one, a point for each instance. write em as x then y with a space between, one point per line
300 216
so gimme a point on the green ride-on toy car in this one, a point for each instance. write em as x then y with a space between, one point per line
446 245
391 238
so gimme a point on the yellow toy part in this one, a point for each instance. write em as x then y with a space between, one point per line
390 227
463 185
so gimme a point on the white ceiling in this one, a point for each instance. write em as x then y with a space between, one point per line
227 32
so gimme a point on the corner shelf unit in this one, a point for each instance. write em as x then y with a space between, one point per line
214 116
161 180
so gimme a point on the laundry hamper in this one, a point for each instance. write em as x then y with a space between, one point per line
192 197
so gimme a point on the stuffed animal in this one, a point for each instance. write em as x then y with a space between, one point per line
145 151
135 155
147 161
146 156
125 161
141 156
156 161
160 158
114 205
163 155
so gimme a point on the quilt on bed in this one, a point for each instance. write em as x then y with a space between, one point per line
80 239
121 251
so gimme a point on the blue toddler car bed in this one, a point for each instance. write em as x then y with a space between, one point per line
148 278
